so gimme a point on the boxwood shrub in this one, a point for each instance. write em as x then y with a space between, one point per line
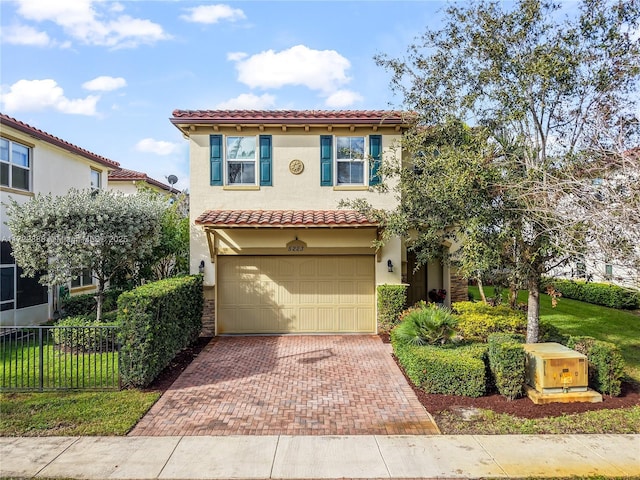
85 304
391 302
82 337
447 370
597 293
507 363
606 365
157 320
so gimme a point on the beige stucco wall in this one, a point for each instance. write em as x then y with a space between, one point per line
53 171
289 192
128 187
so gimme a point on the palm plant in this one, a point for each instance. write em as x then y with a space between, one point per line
432 325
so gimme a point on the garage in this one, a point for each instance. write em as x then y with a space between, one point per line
295 294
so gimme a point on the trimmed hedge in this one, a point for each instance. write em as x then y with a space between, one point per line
507 363
606 365
598 293
450 371
158 320
86 304
478 320
391 302
86 339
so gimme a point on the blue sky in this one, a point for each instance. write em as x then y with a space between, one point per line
106 75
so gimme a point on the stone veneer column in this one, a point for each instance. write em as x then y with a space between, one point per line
209 313
459 288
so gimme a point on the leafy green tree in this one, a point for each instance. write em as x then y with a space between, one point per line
549 173
100 230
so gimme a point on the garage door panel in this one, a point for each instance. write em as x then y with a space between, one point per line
321 294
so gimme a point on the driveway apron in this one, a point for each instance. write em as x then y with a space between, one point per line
290 385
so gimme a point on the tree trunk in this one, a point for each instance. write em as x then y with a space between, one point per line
513 294
533 310
99 299
481 289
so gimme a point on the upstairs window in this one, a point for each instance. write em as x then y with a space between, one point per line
350 160
96 179
84 279
15 165
241 160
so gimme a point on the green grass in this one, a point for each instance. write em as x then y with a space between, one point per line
73 413
20 368
573 317
487 422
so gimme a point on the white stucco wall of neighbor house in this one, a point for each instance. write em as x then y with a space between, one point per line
290 192
53 170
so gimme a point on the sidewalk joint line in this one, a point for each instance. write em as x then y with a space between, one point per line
59 455
375 438
475 437
275 452
170 455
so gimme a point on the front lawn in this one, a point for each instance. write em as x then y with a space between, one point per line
573 317
73 413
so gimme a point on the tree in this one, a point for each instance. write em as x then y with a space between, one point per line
554 98
100 230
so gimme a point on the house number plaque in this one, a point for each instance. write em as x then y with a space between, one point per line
296 167
296 246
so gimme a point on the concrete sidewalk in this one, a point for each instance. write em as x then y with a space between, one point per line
327 457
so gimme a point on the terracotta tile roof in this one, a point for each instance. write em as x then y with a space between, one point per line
291 117
284 218
47 137
124 174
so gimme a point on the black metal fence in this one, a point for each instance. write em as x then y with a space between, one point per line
59 358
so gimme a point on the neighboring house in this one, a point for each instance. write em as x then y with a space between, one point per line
278 255
130 182
32 162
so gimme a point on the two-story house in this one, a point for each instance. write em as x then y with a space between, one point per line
31 162
131 182
277 254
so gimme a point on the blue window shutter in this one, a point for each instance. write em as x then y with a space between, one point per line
216 159
326 160
265 160
375 152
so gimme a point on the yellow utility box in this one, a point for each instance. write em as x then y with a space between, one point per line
554 368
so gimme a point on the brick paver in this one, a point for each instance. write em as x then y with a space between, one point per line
290 385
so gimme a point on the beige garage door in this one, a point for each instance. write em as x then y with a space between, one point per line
307 294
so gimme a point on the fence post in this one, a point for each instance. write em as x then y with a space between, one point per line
41 357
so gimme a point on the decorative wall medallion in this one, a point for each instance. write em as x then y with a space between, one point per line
296 167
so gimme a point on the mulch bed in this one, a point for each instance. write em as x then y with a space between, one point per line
434 403
178 365
522 407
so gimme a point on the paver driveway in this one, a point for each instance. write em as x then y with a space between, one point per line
290 385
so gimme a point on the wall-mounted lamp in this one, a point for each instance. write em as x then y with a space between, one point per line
201 267
390 265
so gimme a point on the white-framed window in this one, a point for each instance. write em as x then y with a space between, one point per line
241 159
350 161
84 279
96 179
608 270
15 165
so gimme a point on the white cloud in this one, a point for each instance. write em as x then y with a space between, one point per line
93 22
25 35
159 147
343 98
236 56
323 70
248 101
213 14
34 95
105 84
